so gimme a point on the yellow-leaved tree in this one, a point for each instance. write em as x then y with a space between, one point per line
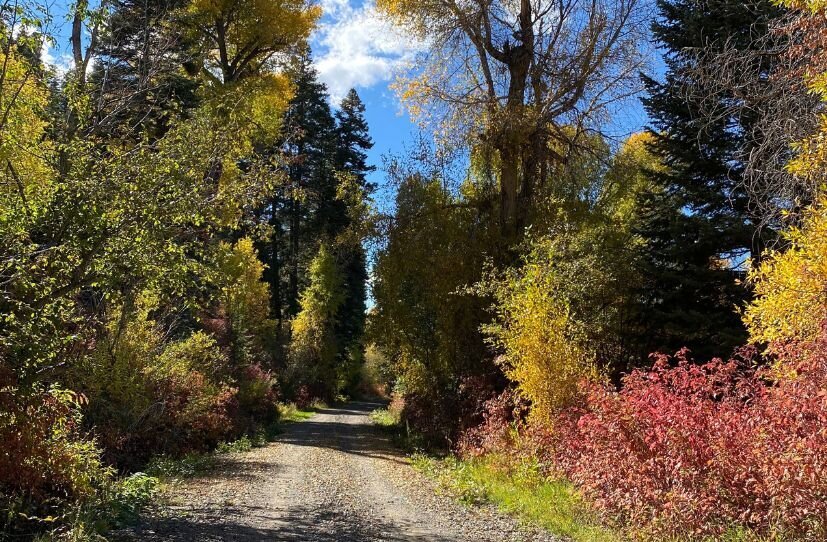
242 36
791 285
245 299
520 79
544 347
314 349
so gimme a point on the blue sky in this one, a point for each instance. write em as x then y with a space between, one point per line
355 48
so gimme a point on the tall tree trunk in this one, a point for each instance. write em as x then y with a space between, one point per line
509 186
513 177
293 286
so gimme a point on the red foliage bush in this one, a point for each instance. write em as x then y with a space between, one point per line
188 413
303 397
258 395
695 449
503 415
45 458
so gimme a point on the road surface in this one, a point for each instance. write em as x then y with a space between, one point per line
333 478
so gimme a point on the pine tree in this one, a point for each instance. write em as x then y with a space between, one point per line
354 139
295 211
145 75
696 222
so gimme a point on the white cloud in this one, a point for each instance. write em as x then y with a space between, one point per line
355 47
60 64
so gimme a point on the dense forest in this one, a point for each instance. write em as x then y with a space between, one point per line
190 237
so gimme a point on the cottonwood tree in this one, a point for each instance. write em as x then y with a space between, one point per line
242 36
521 77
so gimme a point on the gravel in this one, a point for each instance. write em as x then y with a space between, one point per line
336 478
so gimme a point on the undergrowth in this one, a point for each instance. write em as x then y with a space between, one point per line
401 435
519 490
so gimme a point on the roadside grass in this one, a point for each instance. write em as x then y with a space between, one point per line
519 490
555 505
383 417
516 488
289 412
401 436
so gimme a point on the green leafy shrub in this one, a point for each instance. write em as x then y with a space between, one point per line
244 444
384 417
150 395
131 495
46 461
188 465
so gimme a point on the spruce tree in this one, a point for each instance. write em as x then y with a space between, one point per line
313 208
309 144
353 139
146 74
696 222
353 142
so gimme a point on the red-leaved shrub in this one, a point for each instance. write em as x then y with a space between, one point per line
503 417
686 449
188 413
258 395
45 458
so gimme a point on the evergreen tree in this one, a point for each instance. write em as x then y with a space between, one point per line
326 170
696 222
295 211
146 72
354 139
353 142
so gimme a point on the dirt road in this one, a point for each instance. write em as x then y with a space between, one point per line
333 478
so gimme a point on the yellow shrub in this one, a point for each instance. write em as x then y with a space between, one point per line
543 346
791 286
245 298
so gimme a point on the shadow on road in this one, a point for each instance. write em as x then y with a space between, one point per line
354 434
348 430
299 525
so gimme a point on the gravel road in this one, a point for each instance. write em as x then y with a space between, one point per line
333 478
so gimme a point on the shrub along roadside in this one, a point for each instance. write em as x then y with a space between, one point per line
117 502
516 487
693 451
167 468
519 489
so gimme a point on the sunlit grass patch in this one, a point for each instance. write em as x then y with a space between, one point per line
385 417
519 490
289 412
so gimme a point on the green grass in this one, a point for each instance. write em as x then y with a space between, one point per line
244 444
385 418
291 413
519 491
167 468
